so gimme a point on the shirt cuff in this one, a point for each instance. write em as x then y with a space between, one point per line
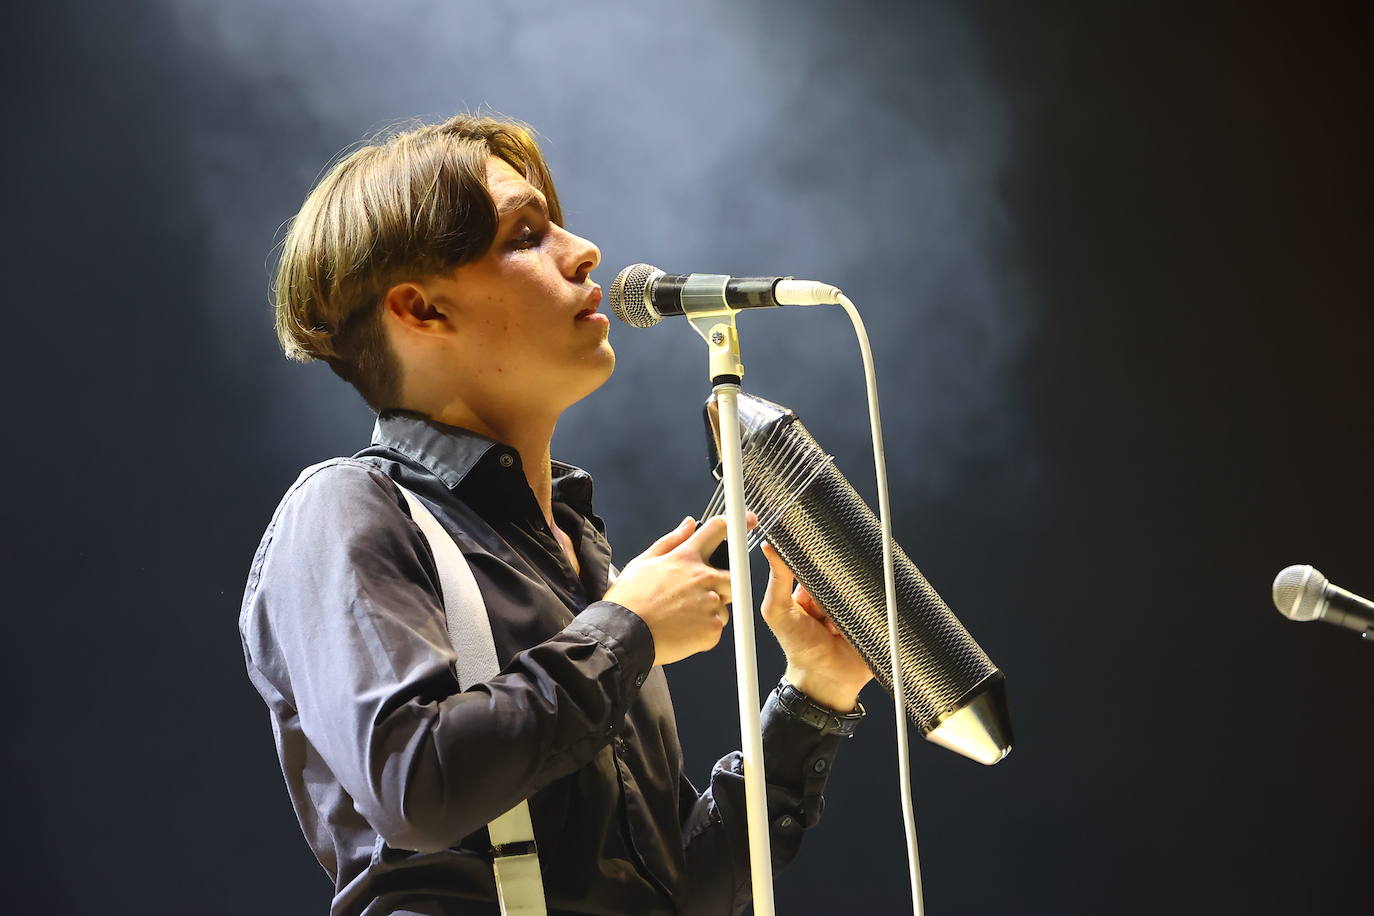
624 633
798 758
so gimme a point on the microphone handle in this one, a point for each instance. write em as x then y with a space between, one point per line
740 292
1349 610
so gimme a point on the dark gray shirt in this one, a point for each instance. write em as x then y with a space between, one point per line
394 772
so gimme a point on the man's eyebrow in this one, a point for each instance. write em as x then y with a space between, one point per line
521 199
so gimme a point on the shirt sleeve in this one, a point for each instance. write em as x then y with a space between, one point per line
343 617
797 759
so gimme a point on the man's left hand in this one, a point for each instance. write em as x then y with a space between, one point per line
820 661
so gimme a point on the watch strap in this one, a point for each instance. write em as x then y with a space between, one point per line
822 718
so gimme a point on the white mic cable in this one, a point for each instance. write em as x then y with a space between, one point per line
890 586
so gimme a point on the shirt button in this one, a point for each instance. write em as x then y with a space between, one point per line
785 821
507 459
819 766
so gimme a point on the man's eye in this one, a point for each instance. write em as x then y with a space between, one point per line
525 237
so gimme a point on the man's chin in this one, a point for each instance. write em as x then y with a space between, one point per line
607 364
596 370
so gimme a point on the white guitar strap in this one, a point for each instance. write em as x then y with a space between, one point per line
519 883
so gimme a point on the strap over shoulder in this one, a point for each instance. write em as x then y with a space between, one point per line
519 882
469 628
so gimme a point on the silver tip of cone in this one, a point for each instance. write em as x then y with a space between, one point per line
980 729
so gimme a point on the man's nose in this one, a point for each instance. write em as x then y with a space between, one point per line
583 256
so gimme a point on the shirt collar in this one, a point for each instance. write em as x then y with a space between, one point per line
448 452
454 454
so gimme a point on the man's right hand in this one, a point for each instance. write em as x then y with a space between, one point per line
674 590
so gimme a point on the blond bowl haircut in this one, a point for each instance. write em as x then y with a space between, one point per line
409 205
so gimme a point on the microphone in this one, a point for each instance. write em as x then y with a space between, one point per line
1302 593
643 295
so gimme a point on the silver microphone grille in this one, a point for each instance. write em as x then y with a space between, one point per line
1300 592
628 299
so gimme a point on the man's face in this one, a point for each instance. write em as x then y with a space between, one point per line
528 332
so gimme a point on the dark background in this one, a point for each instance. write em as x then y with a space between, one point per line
1115 259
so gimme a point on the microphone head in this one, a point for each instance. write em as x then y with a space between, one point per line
630 296
1300 593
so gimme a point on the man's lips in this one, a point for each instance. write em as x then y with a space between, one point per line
593 300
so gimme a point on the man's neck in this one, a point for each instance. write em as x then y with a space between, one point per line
529 435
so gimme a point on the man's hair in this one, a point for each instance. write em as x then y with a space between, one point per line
408 205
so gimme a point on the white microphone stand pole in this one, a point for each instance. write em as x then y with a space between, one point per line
703 303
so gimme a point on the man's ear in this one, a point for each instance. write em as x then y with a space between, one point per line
412 305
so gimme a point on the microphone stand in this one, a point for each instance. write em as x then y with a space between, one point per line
704 306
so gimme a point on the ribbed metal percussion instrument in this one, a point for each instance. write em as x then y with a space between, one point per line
830 538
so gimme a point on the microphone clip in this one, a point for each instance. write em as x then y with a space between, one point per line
704 305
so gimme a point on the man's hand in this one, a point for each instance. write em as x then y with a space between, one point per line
674 590
820 662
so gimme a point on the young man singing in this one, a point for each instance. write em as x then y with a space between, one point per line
433 272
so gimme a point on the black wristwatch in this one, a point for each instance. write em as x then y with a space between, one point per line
822 718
